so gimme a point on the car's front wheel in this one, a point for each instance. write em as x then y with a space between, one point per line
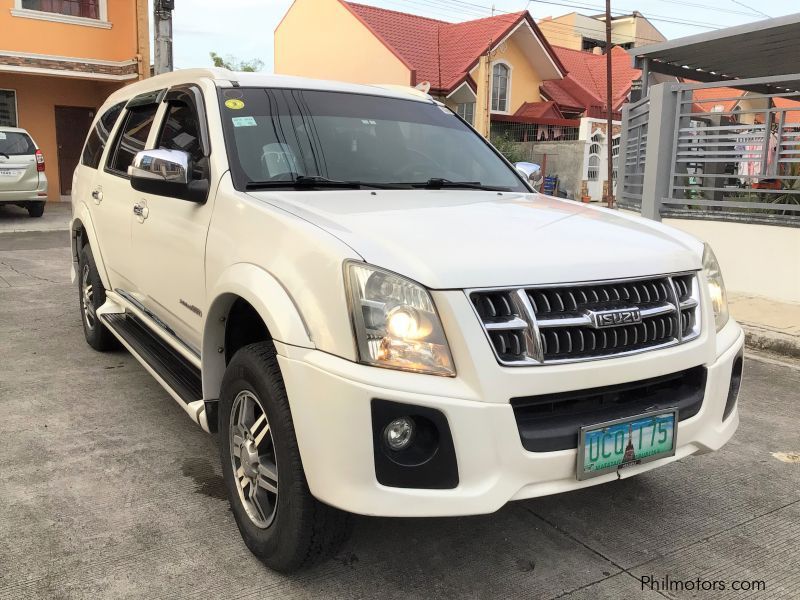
280 521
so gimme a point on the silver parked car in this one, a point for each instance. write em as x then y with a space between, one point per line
22 178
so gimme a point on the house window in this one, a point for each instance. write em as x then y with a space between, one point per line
8 108
89 9
500 78
615 157
466 110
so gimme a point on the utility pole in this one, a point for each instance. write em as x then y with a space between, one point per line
162 19
609 109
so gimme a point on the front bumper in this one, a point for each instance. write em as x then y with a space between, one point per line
330 401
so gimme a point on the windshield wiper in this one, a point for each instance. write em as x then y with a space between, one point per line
316 181
6 155
438 183
304 181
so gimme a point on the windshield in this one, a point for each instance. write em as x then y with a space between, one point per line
13 143
319 138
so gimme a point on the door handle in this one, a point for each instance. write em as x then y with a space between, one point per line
98 196
141 211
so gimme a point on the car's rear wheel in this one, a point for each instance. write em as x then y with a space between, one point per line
92 295
35 209
280 521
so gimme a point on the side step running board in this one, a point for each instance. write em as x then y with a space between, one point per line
180 375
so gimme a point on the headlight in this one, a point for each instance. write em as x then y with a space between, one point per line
395 322
716 287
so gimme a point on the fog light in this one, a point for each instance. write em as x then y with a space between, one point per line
399 433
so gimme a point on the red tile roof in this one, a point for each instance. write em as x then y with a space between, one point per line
585 85
705 99
440 52
539 110
793 116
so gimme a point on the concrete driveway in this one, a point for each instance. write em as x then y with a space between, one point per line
108 490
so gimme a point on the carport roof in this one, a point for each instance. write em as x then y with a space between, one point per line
764 48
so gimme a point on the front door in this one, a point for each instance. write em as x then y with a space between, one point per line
72 126
169 237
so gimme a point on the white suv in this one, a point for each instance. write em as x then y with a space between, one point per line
377 314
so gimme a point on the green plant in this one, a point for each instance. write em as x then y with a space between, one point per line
508 148
234 64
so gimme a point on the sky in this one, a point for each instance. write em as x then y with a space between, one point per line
244 28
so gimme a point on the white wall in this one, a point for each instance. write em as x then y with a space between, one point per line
756 259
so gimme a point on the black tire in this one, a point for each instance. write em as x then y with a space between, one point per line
303 530
35 209
97 335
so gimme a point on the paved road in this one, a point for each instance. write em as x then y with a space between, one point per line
108 490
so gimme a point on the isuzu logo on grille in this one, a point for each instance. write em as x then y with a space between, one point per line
614 318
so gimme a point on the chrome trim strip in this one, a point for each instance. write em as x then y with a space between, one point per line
533 341
509 324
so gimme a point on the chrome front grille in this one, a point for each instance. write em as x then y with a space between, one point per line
584 321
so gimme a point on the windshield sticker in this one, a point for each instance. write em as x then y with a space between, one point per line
2 135
234 104
244 121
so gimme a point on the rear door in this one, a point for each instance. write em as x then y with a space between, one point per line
114 198
17 162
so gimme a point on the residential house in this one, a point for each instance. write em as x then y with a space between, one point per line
584 32
481 69
59 60
499 73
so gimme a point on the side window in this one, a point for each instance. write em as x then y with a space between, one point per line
98 138
131 138
181 131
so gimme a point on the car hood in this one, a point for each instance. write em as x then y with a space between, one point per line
449 239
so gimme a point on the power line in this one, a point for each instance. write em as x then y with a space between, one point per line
711 8
755 10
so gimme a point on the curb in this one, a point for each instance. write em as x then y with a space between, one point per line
776 342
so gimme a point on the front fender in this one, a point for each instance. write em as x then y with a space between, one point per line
270 300
82 220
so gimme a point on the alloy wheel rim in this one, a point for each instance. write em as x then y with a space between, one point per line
253 459
87 298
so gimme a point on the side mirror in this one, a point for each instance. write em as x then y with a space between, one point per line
532 174
166 173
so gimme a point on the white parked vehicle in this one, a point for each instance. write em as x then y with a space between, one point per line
22 178
377 314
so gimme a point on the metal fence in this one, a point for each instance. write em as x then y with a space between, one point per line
633 149
533 132
704 151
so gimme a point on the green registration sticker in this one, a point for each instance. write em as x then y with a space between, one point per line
606 447
244 122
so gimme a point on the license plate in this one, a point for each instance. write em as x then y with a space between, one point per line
607 447
9 172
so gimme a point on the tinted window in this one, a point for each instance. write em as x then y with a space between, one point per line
13 143
132 137
181 131
99 136
277 135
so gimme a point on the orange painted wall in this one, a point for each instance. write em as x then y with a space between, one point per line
324 40
37 98
20 34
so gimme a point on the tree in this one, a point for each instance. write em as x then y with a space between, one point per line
234 64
